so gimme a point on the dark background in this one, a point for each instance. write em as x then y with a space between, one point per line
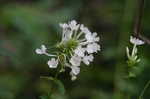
26 24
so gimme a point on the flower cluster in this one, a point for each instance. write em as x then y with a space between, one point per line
133 57
78 44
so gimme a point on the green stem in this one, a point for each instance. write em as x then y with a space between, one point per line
78 36
51 89
45 77
133 50
143 91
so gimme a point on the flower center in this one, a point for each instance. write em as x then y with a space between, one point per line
67 47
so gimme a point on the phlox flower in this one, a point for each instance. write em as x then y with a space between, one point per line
78 44
133 57
136 41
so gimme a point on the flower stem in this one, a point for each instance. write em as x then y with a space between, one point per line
78 36
50 55
143 91
133 50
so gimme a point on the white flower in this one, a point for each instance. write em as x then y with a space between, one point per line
80 51
67 35
95 38
78 44
64 26
136 41
75 60
73 25
92 37
42 50
53 63
84 29
88 59
68 30
75 70
93 48
133 57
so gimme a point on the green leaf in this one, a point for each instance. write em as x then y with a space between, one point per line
132 75
60 87
44 97
48 96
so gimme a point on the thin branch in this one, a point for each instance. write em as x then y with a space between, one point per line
138 22
145 88
139 16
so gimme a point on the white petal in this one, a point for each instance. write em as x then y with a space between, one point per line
136 41
75 70
73 78
89 37
38 51
80 51
75 60
42 50
96 39
43 47
52 63
92 37
88 59
93 48
73 25
64 26
84 29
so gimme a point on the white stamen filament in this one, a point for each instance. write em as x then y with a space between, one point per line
79 35
50 55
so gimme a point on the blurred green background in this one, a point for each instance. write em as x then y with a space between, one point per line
26 24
